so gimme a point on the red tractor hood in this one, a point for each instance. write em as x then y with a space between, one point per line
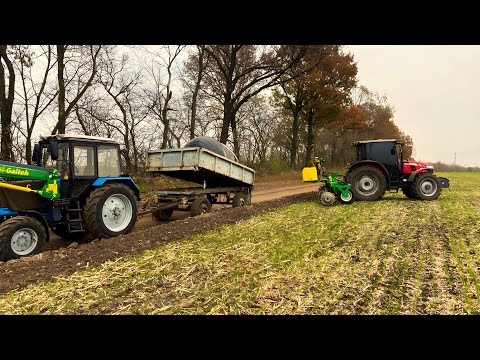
411 165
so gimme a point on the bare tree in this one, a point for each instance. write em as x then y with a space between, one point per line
121 84
195 67
160 95
84 61
35 97
6 104
239 72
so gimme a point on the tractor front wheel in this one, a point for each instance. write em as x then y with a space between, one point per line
427 186
21 236
110 210
368 183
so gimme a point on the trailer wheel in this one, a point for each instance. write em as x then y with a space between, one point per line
240 199
427 186
110 210
200 206
21 236
163 215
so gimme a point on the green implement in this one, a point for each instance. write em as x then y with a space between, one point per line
9 172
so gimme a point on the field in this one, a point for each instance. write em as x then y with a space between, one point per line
392 256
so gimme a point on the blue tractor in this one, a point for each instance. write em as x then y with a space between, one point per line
76 188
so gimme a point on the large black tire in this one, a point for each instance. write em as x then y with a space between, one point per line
368 183
408 192
200 206
21 236
163 215
62 231
240 199
427 186
110 210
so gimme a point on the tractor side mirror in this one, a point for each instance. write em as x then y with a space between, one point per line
37 154
54 150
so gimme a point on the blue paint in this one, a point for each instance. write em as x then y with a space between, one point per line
123 180
6 211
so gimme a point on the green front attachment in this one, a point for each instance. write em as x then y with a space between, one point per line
335 185
49 190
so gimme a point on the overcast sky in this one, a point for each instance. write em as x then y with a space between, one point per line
435 91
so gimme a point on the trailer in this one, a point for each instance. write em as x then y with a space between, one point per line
221 180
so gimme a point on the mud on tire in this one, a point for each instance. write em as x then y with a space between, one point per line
110 210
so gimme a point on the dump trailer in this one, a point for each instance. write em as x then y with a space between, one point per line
221 181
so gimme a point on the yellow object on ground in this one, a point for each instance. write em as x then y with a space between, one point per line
309 174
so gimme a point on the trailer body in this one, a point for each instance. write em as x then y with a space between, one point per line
222 180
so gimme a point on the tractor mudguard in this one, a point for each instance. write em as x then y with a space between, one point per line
126 180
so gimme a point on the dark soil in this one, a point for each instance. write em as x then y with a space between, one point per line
15 274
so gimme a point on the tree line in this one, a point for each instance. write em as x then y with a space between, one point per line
274 105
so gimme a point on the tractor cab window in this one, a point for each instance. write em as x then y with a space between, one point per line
47 159
84 160
108 161
61 164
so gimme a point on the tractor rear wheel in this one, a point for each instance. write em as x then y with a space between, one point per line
427 186
110 210
21 236
368 183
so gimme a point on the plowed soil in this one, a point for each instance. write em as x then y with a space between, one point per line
62 258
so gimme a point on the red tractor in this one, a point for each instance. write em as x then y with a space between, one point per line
380 166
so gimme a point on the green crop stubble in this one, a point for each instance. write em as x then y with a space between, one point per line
461 213
390 256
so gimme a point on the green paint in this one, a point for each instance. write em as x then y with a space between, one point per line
50 189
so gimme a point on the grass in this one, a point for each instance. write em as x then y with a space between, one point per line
392 256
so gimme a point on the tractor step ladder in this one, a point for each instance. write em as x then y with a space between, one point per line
75 219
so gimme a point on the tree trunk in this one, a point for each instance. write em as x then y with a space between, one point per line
6 105
236 145
227 118
294 145
28 155
61 89
309 137
201 67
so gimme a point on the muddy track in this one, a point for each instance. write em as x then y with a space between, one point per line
64 261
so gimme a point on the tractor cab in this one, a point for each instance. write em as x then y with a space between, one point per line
80 160
389 153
